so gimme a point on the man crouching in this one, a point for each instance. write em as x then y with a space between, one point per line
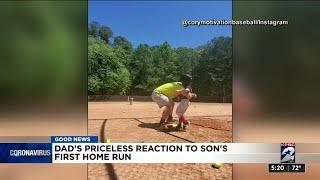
165 95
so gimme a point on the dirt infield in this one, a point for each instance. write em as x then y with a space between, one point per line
121 122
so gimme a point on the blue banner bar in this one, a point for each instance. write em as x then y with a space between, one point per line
74 139
25 153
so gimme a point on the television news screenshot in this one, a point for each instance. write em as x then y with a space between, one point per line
159 90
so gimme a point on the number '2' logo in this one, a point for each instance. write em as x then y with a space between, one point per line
287 152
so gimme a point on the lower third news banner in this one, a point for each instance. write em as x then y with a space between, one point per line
86 149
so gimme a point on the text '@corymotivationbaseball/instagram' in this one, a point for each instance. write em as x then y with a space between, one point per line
213 22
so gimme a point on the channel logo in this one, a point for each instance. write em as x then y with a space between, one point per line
288 152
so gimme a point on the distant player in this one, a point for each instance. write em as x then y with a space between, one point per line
165 95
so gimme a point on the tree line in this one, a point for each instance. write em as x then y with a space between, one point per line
115 67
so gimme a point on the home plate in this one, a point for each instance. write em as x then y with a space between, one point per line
168 127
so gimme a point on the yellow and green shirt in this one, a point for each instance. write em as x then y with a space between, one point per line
169 89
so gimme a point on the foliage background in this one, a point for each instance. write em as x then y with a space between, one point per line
115 67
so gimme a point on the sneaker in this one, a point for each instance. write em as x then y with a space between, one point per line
162 121
179 127
161 126
185 125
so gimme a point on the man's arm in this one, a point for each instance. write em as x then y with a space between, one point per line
186 93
